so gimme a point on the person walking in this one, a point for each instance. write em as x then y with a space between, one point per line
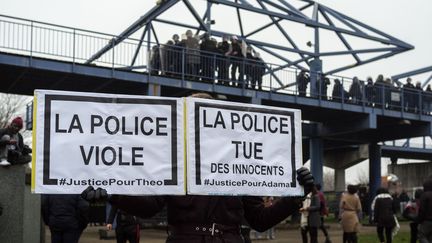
425 213
411 213
311 211
127 227
66 215
384 211
349 209
323 212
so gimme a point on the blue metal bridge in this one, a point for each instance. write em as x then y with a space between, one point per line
36 55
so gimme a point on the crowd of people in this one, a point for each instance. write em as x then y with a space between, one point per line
230 62
383 93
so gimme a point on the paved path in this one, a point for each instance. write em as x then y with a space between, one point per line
283 235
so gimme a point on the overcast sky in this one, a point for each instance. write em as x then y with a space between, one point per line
409 21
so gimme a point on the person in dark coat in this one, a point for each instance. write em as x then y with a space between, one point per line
416 97
379 91
258 70
408 94
208 49
339 92
127 228
411 213
425 213
201 219
427 100
355 91
369 92
302 83
222 61
66 216
313 216
384 214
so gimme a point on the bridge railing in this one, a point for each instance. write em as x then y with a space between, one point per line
418 142
38 39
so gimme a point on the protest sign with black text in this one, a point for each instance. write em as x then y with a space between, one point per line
126 144
242 149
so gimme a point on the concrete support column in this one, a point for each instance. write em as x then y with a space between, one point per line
374 170
20 221
340 180
316 157
154 90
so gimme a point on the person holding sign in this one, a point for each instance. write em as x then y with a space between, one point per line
208 218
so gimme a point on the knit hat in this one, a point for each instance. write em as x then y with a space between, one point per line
18 121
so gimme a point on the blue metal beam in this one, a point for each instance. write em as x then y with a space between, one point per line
412 73
260 43
280 57
262 28
364 62
293 9
195 14
139 46
178 24
350 52
344 41
341 19
314 24
153 13
240 22
281 29
392 40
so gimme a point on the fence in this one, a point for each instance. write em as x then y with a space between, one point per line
37 39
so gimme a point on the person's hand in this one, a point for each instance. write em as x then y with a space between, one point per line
109 227
94 195
304 177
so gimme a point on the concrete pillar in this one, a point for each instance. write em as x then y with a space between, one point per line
20 221
374 170
316 157
154 90
340 180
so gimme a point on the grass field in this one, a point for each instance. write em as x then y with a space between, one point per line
401 237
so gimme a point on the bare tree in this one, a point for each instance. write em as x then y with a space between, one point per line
362 177
11 106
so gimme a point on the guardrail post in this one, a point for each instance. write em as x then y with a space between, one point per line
31 39
73 46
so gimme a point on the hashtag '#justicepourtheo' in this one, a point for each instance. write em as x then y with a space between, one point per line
62 181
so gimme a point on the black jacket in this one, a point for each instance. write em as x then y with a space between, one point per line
202 211
123 219
425 210
384 211
65 212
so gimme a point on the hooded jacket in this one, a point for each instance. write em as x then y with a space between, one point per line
425 210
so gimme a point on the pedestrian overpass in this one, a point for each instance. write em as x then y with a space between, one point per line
36 55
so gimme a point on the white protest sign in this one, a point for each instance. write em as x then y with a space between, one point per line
125 144
242 149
